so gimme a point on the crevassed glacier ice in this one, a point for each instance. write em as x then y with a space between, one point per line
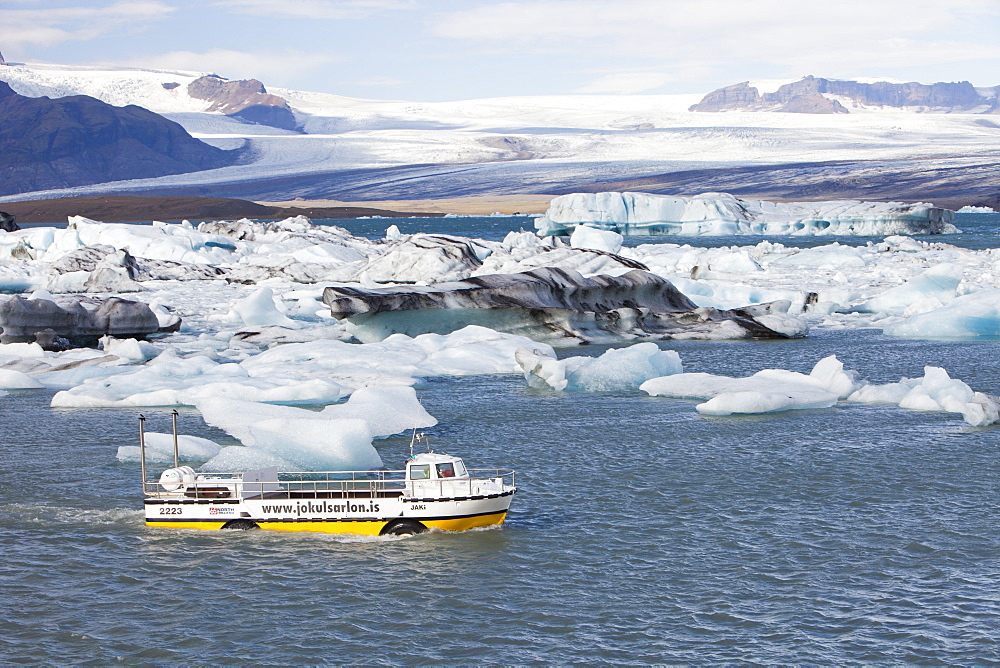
644 214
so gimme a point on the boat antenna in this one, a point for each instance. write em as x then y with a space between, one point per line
416 438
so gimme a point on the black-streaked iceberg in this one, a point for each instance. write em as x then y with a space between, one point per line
554 305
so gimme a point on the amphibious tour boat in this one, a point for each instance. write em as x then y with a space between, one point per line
435 491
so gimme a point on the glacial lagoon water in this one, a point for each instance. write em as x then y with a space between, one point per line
643 532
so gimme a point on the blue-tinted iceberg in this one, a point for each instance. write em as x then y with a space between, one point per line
714 214
616 370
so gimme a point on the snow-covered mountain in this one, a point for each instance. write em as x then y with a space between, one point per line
347 148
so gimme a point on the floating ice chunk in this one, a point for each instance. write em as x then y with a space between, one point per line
15 380
614 371
936 286
968 208
303 445
132 350
237 459
160 449
386 410
590 238
729 403
392 233
766 391
967 317
32 350
171 381
935 391
260 309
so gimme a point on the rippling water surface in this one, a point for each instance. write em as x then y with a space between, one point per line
642 533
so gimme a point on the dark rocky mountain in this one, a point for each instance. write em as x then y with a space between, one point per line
79 140
246 99
809 96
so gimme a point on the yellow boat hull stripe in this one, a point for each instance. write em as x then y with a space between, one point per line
364 528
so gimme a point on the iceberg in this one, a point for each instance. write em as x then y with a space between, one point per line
552 305
931 289
302 445
767 391
715 214
386 411
616 370
77 319
160 449
972 316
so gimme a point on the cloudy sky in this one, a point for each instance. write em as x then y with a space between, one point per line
455 49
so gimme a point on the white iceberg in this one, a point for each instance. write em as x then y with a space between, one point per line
302 445
260 308
160 449
935 391
976 315
723 214
931 289
386 411
616 370
766 391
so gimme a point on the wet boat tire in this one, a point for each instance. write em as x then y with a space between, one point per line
240 525
403 528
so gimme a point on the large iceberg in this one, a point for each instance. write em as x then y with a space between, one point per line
554 305
642 214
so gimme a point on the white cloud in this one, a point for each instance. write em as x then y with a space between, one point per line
625 83
314 9
240 64
716 35
21 29
379 81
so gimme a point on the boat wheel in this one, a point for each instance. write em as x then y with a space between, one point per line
403 528
240 525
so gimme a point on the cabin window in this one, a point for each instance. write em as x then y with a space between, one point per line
422 472
446 470
460 469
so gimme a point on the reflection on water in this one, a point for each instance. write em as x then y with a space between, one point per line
642 533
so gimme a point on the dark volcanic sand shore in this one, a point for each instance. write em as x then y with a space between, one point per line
124 209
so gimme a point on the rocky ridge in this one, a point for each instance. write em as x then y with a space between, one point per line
245 99
78 140
815 95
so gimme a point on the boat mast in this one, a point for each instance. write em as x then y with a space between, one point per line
173 420
142 449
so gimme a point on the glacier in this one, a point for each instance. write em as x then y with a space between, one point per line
716 214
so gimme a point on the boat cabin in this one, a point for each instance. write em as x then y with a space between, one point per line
434 466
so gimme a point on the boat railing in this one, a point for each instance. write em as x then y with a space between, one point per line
333 484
